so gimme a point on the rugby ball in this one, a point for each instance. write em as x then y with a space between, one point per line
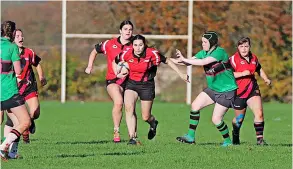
122 68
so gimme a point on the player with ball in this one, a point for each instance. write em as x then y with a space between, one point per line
142 62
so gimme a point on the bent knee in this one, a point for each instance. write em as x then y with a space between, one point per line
129 109
146 117
26 124
118 105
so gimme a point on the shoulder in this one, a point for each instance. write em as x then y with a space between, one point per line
220 50
28 50
254 56
152 50
200 53
13 45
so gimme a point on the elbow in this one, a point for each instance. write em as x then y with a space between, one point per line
18 71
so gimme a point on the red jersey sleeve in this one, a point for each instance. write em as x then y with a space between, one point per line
34 59
157 57
258 65
122 56
101 47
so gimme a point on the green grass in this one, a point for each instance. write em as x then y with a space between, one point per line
79 135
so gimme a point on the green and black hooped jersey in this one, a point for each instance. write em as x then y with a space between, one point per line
9 54
223 81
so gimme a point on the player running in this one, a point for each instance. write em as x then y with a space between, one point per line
111 48
221 88
10 98
143 62
244 64
27 84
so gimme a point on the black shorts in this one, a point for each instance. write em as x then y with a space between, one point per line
225 99
30 90
145 90
121 82
241 103
15 101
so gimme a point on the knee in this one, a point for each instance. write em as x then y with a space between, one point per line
26 124
129 109
238 120
259 115
194 106
118 104
146 117
36 113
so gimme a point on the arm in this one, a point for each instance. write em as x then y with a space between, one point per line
241 74
184 77
177 62
264 77
92 58
17 67
197 62
41 75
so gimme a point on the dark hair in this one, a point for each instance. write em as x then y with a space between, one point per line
243 40
8 29
212 37
126 22
139 37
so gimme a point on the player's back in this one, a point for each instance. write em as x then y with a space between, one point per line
9 54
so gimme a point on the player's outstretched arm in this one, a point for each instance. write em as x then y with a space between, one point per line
196 62
183 76
92 58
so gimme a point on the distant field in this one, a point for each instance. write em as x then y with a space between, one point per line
79 135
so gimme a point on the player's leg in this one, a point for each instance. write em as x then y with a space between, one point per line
240 110
146 93
34 109
10 122
255 104
217 119
2 116
223 102
130 98
115 92
204 99
17 107
146 108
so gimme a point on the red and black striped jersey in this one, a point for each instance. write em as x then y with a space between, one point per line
240 64
142 68
111 48
27 59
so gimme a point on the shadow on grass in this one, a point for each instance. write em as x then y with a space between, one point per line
123 153
90 142
246 144
74 155
280 145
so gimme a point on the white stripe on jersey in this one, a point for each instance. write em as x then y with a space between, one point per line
104 46
157 57
122 56
33 59
233 62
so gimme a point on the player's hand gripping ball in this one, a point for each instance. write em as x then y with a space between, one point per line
122 68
